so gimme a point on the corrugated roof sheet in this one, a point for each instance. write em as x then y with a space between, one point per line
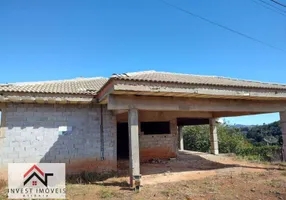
167 77
73 86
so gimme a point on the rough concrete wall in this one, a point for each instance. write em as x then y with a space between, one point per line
32 135
159 146
283 130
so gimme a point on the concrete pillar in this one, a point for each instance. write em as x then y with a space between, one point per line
134 160
283 130
181 139
213 136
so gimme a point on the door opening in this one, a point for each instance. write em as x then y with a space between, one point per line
122 141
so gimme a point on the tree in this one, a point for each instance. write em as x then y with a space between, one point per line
196 138
230 139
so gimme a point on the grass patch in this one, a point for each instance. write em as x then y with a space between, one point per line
168 192
89 177
261 153
3 184
283 173
3 190
3 195
275 183
105 193
255 158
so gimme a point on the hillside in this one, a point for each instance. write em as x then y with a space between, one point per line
263 134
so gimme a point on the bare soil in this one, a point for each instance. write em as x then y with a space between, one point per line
191 176
250 185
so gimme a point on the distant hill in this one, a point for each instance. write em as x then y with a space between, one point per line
242 125
262 134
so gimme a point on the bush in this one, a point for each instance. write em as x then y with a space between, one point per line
230 140
197 138
262 153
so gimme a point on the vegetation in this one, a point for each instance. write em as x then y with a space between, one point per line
105 193
252 142
89 177
266 134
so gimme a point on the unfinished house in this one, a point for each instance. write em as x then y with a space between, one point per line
91 123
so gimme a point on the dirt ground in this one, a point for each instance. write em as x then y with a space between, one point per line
191 176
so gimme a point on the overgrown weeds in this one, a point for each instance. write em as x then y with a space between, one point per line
89 177
105 193
3 190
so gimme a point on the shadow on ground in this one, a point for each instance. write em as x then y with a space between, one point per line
185 162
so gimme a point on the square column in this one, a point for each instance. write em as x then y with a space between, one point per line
180 130
213 136
134 160
283 130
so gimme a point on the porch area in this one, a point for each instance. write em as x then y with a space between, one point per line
190 165
142 111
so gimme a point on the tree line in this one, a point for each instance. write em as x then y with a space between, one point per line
259 142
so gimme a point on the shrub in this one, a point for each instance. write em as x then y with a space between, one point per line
197 138
263 153
230 140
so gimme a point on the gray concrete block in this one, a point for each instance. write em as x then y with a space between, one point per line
32 133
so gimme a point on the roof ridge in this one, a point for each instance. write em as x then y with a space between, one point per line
223 77
140 72
55 81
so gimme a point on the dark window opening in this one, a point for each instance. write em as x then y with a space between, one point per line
150 128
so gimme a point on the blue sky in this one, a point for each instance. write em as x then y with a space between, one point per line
50 40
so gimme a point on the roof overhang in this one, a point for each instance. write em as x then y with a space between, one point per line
46 98
147 88
115 86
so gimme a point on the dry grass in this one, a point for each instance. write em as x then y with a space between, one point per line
3 184
228 183
252 185
3 189
89 177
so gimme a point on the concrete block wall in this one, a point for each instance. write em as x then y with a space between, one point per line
159 146
32 135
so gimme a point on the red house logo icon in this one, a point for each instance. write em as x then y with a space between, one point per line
38 173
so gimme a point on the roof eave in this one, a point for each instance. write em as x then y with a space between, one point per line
49 98
191 90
